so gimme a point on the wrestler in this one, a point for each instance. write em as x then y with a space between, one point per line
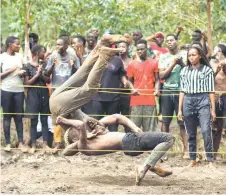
219 67
101 141
84 83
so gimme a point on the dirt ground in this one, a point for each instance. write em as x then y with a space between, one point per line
108 174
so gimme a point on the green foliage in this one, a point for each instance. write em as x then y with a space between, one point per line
50 18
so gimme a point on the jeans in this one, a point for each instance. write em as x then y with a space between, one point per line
196 110
159 143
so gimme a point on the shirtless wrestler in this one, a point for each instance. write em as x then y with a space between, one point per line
101 141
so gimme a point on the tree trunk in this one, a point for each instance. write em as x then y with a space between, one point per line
27 51
209 33
27 58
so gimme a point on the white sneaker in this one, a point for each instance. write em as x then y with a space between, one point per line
7 148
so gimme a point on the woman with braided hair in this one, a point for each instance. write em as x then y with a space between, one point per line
197 101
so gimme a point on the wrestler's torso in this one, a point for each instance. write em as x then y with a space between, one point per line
108 141
220 81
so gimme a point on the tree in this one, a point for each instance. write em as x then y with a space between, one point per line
50 18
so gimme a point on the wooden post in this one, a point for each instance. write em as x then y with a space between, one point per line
209 32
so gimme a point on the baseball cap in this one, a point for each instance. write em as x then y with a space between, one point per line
159 34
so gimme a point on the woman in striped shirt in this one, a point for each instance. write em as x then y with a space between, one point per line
198 101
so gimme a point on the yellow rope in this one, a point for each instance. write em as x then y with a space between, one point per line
118 89
133 151
93 115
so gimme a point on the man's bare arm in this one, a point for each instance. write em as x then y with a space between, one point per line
71 149
79 115
157 84
164 73
122 120
77 125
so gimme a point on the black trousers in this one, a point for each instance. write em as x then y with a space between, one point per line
12 102
124 108
196 110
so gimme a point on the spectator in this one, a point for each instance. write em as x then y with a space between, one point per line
219 67
198 36
137 35
196 44
61 65
12 93
37 100
129 38
185 47
143 72
79 45
92 38
124 105
170 65
95 31
157 41
33 39
197 101
107 102
91 42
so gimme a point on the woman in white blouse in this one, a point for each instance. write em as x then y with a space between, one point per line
12 90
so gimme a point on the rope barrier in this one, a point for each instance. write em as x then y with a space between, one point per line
93 115
133 151
118 89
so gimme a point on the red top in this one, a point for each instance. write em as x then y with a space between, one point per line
144 78
158 50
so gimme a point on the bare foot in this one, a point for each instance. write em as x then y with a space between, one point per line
32 150
160 172
140 173
211 165
56 148
47 149
25 148
186 155
193 163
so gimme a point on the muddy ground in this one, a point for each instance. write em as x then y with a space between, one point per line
109 174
